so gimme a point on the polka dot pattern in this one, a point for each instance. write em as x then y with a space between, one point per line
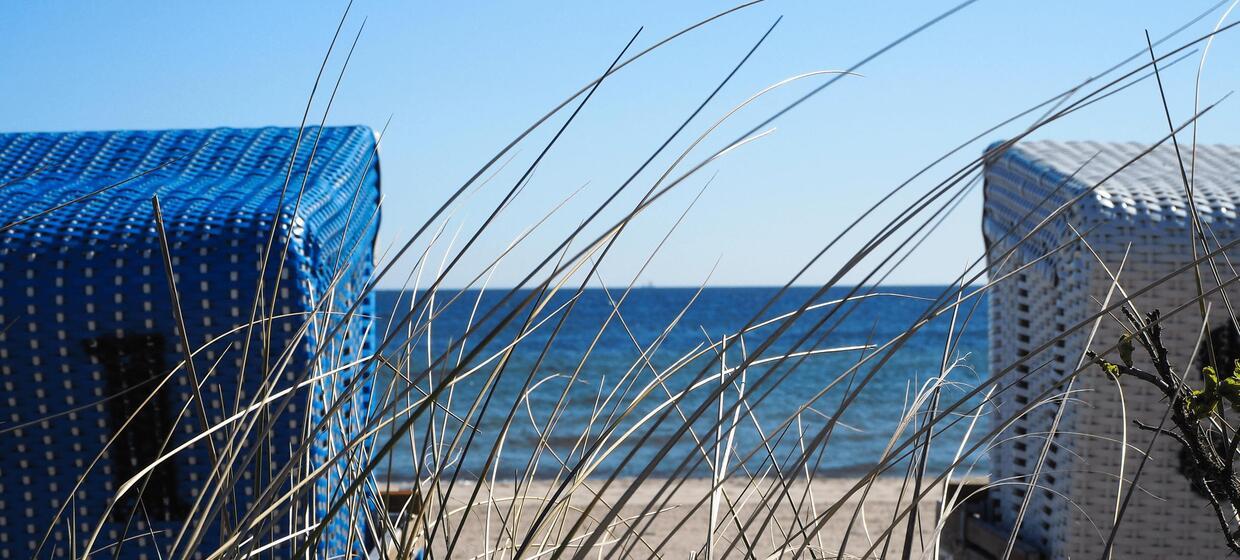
87 330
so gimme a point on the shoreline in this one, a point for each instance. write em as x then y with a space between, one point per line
678 523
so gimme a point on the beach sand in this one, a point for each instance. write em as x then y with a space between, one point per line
678 530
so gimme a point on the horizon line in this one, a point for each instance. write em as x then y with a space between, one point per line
694 287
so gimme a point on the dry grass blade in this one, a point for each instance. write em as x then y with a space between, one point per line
512 430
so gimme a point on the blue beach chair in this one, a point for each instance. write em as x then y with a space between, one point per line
93 361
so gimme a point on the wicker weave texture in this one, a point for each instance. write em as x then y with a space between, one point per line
1133 211
88 325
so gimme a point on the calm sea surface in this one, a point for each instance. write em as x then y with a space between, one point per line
614 379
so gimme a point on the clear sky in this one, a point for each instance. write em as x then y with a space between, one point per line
461 79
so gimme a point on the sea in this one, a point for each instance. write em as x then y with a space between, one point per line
586 386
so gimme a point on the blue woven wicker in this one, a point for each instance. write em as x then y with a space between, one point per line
87 326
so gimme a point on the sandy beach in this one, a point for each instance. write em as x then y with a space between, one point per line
677 523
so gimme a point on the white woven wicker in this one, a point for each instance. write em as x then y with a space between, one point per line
1144 204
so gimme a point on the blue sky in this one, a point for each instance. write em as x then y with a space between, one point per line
461 79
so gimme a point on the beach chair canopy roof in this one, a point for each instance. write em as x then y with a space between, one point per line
60 189
1129 183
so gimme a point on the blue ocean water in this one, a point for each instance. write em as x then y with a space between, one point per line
615 381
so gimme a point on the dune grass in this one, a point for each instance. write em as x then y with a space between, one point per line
585 489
